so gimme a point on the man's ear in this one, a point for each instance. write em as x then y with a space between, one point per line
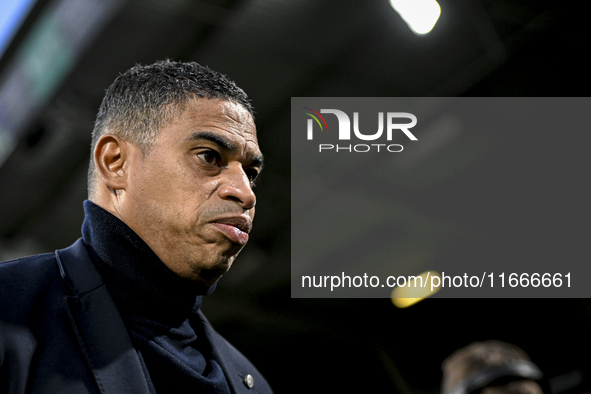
110 155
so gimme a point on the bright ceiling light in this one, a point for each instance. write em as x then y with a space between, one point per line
419 15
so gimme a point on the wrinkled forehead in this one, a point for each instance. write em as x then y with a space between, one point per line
223 115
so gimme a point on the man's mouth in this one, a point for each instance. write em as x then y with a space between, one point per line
235 228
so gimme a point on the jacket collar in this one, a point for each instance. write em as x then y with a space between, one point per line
98 326
103 337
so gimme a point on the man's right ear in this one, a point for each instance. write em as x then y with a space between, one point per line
110 155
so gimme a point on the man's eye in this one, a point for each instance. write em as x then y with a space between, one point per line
251 174
210 157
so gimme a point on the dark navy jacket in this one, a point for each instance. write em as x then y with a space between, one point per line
60 332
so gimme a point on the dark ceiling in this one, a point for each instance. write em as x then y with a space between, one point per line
276 50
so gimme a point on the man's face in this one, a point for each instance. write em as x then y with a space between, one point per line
190 198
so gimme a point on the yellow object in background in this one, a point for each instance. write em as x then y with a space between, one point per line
415 289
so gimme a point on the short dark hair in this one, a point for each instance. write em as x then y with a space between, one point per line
482 356
145 98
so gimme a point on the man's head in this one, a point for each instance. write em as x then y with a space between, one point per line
175 155
145 98
490 367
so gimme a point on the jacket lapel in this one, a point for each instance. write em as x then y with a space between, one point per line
99 328
234 365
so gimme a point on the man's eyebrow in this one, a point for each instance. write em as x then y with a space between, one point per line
213 137
256 161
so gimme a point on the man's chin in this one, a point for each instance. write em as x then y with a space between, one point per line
209 277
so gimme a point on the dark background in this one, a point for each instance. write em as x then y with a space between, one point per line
276 50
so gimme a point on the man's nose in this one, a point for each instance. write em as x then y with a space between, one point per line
237 187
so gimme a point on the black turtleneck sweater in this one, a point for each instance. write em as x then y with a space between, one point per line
158 307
